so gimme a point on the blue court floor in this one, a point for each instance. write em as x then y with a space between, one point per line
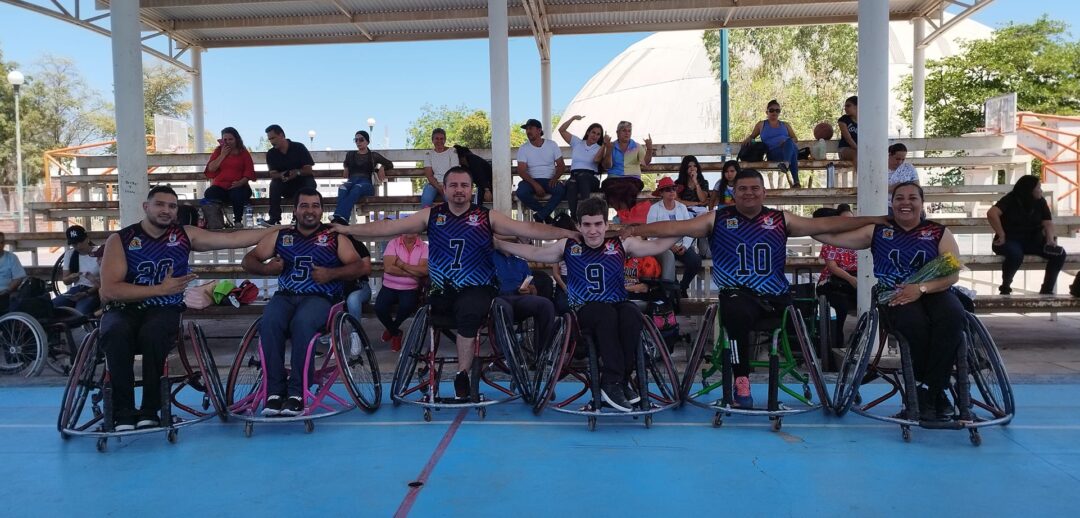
516 464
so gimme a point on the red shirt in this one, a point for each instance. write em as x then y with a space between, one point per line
846 258
233 168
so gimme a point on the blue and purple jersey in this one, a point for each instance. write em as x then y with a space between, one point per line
149 259
898 253
595 274
459 249
750 253
301 254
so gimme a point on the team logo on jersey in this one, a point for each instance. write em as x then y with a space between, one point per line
609 249
440 219
732 223
135 244
926 235
474 220
322 240
768 223
173 239
887 233
575 249
286 240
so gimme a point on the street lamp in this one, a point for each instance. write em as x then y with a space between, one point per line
311 136
371 124
16 79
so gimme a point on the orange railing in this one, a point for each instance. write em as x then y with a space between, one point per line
55 158
1063 152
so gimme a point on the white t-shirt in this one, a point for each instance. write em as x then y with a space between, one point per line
582 154
541 160
659 213
440 163
905 173
89 268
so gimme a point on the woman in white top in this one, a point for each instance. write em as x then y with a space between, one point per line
82 273
436 163
899 170
585 157
669 208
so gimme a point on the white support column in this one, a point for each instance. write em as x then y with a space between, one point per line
197 107
132 183
499 65
545 97
873 127
918 81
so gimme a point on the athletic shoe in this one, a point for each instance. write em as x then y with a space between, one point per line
1046 290
148 421
462 387
386 336
124 424
1004 290
926 404
395 343
1074 289
263 222
943 408
339 220
631 394
612 394
273 406
294 406
743 399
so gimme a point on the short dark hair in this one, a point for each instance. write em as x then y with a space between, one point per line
161 188
748 173
910 184
457 169
852 100
826 212
276 129
591 207
364 134
842 208
306 191
438 131
896 148
772 102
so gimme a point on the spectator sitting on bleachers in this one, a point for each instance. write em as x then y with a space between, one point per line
623 183
480 169
437 162
230 170
670 209
837 280
404 268
81 272
1022 225
848 147
694 188
724 190
540 165
519 298
585 157
899 170
290 167
361 166
780 140
11 274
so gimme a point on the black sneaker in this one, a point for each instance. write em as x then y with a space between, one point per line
943 408
273 406
1046 290
124 424
462 387
630 394
1074 289
926 404
339 220
294 406
148 421
612 394
1005 290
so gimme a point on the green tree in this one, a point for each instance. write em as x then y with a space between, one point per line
808 69
164 93
465 126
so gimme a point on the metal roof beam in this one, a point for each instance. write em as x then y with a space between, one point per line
941 29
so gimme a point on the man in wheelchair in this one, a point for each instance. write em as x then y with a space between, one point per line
597 292
143 275
311 261
459 258
749 250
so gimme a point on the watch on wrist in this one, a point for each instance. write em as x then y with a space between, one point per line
922 289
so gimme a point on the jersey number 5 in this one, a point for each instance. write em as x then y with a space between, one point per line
302 268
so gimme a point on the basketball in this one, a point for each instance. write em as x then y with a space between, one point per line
823 131
648 268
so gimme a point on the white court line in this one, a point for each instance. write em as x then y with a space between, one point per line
633 423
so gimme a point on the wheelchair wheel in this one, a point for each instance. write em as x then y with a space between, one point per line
356 359
988 372
56 277
549 365
206 379
87 376
824 331
697 352
658 366
22 345
812 362
511 353
413 351
851 372
246 373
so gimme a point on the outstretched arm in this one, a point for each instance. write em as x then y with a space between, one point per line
700 226
638 247
799 226
413 224
540 254
205 240
503 225
857 239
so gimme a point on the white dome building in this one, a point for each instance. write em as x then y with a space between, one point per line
665 86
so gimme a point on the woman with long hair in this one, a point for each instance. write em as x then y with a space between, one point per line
230 170
586 154
694 190
724 190
1022 225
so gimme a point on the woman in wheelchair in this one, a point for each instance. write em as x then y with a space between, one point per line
929 315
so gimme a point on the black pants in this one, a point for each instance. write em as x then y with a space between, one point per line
238 197
124 333
1014 251
932 326
739 314
469 307
406 300
615 328
582 182
541 309
842 297
281 189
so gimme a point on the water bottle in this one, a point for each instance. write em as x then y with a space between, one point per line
727 151
830 175
249 219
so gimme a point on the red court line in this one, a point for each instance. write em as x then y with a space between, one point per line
410 497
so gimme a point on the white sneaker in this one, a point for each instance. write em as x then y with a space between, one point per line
354 345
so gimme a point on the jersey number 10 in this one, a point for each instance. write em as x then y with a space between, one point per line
759 259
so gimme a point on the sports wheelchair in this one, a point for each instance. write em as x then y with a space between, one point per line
978 363
655 377
418 376
28 344
341 351
782 365
89 382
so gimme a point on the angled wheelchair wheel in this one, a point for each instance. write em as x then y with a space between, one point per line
549 365
206 379
824 331
84 383
511 352
811 361
988 373
703 341
56 277
851 371
658 365
413 351
356 359
246 373
22 345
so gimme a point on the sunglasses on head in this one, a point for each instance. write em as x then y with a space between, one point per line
774 110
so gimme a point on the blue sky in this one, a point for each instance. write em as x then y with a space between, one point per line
333 89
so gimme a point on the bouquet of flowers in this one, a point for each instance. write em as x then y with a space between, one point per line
943 265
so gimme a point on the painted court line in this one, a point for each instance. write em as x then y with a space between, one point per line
456 423
416 486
